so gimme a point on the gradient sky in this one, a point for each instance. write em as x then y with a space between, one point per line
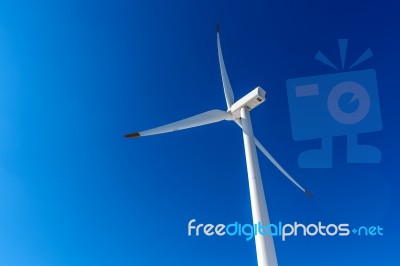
75 76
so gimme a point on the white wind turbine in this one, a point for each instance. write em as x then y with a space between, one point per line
239 112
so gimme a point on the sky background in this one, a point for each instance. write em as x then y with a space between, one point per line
75 76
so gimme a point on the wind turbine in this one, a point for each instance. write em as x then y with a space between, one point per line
239 112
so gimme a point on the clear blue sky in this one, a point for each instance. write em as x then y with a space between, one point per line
75 76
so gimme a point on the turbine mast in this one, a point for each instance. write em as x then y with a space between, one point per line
266 255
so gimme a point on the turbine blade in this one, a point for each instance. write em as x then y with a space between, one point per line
229 97
205 118
280 168
276 164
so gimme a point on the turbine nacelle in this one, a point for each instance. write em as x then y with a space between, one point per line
250 100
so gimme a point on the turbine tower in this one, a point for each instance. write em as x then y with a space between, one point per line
239 112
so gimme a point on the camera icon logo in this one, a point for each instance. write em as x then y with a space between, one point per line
358 92
344 103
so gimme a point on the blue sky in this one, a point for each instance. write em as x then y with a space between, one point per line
75 76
